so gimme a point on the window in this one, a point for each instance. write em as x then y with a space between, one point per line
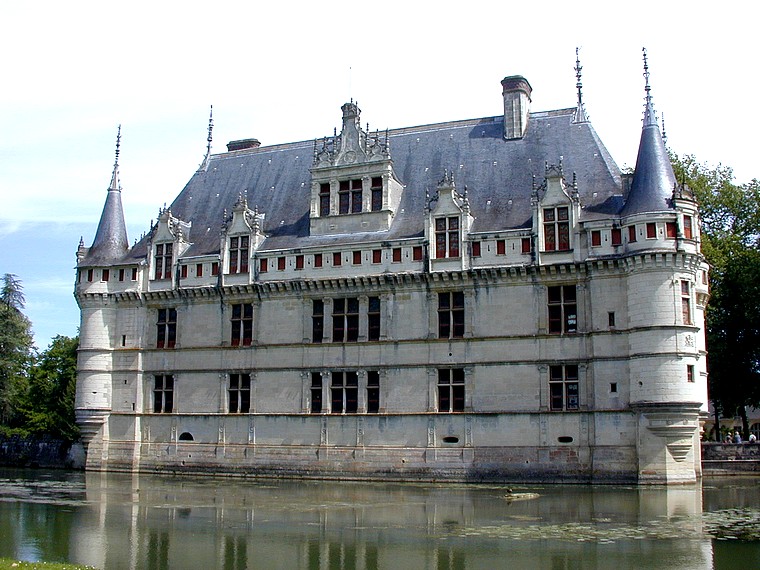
337 259
476 249
688 231
199 270
239 254
163 394
556 229
183 271
501 247
90 274
611 318
280 264
357 258
121 274
134 274
215 268
239 393
651 230
373 318
242 324
299 262
324 199
631 234
163 261
686 302
166 333
396 255
596 238
617 236
356 196
377 255
373 392
447 237
690 373
316 392
317 260
105 274
525 245
344 392
563 387
263 265
345 320
376 189
451 390
317 320
417 253
670 230
613 387
350 196
451 314
563 314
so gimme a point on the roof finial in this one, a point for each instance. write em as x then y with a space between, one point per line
580 111
115 184
650 118
204 164
664 134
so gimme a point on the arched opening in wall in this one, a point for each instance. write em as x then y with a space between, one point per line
186 436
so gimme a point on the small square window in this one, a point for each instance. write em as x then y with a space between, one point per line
417 253
183 271
501 247
199 270
613 387
317 260
651 230
357 258
476 249
596 238
617 236
525 245
215 268
299 262
396 255
631 234
105 275
670 230
337 260
377 255
263 265
280 264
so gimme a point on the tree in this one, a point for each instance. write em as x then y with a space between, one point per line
730 216
16 348
48 407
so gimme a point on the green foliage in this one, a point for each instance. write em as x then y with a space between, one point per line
16 349
48 407
730 216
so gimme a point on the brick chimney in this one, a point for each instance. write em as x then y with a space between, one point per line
516 92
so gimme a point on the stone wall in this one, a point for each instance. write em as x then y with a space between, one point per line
730 458
17 451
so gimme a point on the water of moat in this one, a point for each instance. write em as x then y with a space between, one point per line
114 521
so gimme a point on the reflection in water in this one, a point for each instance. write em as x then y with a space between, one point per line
116 521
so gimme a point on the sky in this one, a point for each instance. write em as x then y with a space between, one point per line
73 71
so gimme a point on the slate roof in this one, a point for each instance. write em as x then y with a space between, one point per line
110 241
498 174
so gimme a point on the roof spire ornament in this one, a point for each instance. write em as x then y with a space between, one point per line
580 111
115 182
650 118
204 164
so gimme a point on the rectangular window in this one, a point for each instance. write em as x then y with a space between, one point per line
345 320
316 393
651 230
377 255
611 318
344 392
337 260
396 255
525 245
299 262
451 314
163 394
357 258
617 236
596 238
239 393
670 230
166 328
417 253
121 275
373 391
501 247
105 274
344 197
239 254
317 260
356 196
183 271
199 270
242 324
686 303
690 373
376 189
90 275
280 264
324 199
563 312
476 249
134 274
688 231
373 318
263 265
317 320
631 234
215 268
563 387
163 259
447 237
451 390
556 229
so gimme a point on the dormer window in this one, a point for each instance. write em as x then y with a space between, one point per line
350 196
324 199
239 254
163 258
447 237
556 229
376 190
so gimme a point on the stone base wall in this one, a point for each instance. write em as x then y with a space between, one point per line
730 458
17 451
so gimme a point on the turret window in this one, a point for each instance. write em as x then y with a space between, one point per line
163 260
687 228
447 237
239 254
686 303
556 229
